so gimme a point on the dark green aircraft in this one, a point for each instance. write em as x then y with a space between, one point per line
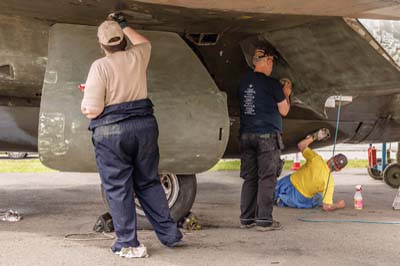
201 49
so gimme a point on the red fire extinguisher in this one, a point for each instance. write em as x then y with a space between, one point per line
371 156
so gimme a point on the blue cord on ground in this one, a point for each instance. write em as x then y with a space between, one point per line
304 219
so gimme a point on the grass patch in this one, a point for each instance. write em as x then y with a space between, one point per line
224 165
357 164
35 166
23 166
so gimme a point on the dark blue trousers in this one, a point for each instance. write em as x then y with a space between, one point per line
286 195
127 158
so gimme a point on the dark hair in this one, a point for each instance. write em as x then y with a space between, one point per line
115 48
268 50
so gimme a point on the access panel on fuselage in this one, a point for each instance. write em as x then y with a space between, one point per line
191 111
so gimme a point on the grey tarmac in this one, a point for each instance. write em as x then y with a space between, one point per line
55 204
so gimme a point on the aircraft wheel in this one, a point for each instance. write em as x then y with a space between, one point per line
375 174
180 191
398 153
391 175
17 155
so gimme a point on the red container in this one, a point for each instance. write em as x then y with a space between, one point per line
371 157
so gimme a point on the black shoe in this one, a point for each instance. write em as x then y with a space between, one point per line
274 226
178 244
247 226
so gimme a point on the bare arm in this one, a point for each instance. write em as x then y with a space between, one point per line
134 37
284 107
91 112
340 204
319 135
303 144
94 94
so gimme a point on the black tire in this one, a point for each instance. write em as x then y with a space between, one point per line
181 207
17 155
398 153
375 174
391 175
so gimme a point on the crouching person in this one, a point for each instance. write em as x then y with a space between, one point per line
312 185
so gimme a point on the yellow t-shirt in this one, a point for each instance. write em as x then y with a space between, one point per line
312 177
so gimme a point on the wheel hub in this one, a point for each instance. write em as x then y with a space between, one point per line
170 184
392 175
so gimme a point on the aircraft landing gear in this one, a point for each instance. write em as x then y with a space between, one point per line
376 165
374 173
384 169
180 191
391 175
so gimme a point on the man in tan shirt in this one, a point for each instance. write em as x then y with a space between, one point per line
120 76
125 134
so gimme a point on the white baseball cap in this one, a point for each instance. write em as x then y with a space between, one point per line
108 31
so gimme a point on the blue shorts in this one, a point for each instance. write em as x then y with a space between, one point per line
286 195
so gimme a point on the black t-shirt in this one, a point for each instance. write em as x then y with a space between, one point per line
258 97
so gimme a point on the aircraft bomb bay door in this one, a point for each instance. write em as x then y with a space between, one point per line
191 111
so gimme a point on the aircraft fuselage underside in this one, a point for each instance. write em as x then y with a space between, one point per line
43 58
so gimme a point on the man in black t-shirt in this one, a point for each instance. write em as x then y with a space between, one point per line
263 102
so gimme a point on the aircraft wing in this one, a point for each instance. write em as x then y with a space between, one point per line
376 9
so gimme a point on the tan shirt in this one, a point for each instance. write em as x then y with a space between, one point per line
117 78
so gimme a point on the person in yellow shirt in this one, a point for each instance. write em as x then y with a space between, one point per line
313 184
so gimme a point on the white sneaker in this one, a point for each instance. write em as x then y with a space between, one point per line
131 252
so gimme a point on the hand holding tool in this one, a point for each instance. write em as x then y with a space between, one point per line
119 18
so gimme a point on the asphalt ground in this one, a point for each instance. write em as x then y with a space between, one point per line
55 204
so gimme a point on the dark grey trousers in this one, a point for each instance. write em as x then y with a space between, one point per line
260 165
